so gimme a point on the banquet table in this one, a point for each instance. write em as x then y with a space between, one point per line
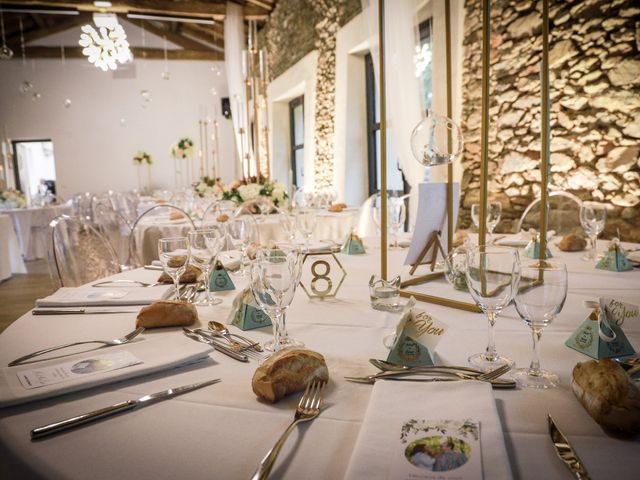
10 258
31 226
333 226
223 431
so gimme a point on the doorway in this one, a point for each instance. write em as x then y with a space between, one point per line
34 167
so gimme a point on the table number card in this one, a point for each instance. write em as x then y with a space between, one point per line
416 337
438 450
601 334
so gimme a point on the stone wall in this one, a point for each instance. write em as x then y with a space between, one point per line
595 106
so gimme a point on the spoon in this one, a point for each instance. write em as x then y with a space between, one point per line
220 328
386 366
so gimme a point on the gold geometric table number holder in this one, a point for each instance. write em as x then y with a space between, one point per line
322 275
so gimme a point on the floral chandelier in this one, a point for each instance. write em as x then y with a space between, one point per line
108 46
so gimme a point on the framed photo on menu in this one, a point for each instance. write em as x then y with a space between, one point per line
432 217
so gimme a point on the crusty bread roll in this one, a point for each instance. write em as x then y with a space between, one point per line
223 217
190 275
176 216
608 394
167 313
288 371
572 243
337 207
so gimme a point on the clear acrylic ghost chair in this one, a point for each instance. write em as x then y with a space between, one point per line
563 215
126 204
78 253
159 221
82 206
115 228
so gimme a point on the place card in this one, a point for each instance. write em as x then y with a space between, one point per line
245 314
601 334
416 337
220 280
614 259
64 371
532 250
437 450
353 245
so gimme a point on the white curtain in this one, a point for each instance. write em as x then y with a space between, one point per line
233 46
404 105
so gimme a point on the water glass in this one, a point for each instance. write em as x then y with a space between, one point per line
275 274
174 256
243 230
542 290
492 274
494 212
592 218
205 245
305 222
397 214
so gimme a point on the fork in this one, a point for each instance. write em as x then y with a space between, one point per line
308 409
132 283
106 343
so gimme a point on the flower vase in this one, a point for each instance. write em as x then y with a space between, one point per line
177 173
148 178
138 167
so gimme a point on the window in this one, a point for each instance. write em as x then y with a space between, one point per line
296 121
373 126
423 62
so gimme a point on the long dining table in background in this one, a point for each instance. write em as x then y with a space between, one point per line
224 431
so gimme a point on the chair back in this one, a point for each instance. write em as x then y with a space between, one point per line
82 206
563 214
159 221
126 204
115 228
79 253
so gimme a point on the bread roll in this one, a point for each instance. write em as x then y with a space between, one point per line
167 313
288 371
572 243
337 207
190 275
608 394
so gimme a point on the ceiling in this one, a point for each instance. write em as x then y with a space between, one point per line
174 19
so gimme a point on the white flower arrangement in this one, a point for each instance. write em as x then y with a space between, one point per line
243 190
182 149
142 158
12 199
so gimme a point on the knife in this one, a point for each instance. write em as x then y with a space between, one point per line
145 400
217 345
75 311
566 452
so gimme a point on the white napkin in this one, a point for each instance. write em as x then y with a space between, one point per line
88 296
157 354
520 239
394 403
634 256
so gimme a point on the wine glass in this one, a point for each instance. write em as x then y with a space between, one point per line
397 214
491 274
494 212
275 274
288 225
305 223
174 256
243 230
205 245
542 290
592 218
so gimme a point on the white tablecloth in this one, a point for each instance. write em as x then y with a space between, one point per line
10 258
31 228
223 432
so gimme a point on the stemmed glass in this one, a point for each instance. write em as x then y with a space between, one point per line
397 215
306 223
205 246
243 230
275 274
287 223
494 212
542 290
174 256
592 218
492 274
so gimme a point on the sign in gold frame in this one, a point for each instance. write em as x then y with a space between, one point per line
484 142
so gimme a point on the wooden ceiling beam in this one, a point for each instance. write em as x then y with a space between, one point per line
180 40
60 26
149 53
215 9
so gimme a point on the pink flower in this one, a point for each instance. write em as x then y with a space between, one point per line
234 184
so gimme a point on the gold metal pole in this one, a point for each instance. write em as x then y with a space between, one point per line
383 146
247 96
544 130
205 158
484 138
450 219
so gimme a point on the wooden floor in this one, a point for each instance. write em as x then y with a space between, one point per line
18 294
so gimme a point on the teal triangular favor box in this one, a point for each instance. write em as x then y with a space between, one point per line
532 250
245 314
353 245
600 341
220 280
416 337
615 259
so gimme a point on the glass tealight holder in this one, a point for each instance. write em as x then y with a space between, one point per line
385 295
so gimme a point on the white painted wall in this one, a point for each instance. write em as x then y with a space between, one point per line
95 139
